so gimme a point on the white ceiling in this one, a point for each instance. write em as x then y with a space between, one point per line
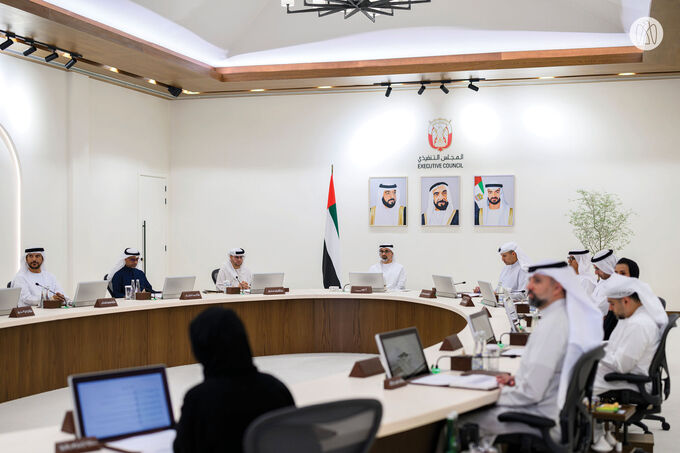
254 32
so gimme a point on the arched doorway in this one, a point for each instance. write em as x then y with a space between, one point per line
10 207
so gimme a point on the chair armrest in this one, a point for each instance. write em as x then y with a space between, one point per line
527 419
632 378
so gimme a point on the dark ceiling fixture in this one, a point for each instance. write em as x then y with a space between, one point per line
369 8
35 45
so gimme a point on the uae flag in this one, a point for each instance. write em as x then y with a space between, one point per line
331 244
479 191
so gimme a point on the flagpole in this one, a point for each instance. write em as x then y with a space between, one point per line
331 169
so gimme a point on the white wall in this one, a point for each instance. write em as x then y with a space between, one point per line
253 172
82 144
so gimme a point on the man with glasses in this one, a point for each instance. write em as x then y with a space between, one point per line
124 272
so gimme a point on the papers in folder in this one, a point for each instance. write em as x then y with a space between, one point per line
160 442
514 352
472 382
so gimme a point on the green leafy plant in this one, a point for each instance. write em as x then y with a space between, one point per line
600 221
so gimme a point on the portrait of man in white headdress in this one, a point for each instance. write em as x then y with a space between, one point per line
440 200
494 200
387 201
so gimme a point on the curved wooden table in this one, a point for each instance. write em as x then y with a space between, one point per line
40 352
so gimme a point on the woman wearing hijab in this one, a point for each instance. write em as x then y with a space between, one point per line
216 412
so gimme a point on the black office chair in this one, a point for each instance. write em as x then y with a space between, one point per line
214 275
575 418
108 287
347 426
648 404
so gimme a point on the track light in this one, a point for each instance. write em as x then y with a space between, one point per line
30 50
8 42
388 91
422 89
70 63
473 87
53 56
175 91
444 89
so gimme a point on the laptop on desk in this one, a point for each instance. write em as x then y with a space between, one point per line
488 296
173 287
445 286
262 281
479 322
87 293
373 279
401 353
121 404
9 298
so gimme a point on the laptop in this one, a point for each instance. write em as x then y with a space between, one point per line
121 403
262 281
9 298
479 322
488 296
401 353
511 312
173 287
444 286
373 279
87 293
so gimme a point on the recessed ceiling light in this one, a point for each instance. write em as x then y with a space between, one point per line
151 81
626 73
66 55
397 84
257 90
190 92
324 87
547 77
112 69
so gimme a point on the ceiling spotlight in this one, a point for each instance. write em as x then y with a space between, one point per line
70 63
422 89
388 91
54 55
30 50
7 43
443 88
473 87
175 91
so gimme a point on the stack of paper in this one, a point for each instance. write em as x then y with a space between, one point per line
473 382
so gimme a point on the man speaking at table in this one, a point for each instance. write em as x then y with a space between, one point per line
570 326
125 271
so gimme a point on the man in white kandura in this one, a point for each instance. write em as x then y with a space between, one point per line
633 342
33 271
393 273
579 260
497 211
604 263
514 275
233 273
570 326
440 211
388 210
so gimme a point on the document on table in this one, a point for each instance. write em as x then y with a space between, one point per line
160 442
472 382
516 352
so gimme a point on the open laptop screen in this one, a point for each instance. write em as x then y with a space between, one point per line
403 353
123 403
479 322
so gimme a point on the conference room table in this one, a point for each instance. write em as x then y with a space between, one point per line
44 349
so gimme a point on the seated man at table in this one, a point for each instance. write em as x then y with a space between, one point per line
35 282
233 273
393 273
570 325
216 412
125 271
514 276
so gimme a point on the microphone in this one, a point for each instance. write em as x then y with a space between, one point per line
66 299
459 283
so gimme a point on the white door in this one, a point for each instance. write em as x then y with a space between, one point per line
153 230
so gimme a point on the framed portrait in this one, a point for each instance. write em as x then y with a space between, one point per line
387 201
494 200
440 200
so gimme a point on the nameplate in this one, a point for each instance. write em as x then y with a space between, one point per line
51 303
451 343
394 383
68 425
105 303
466 301
77 446
361 290
461 363
143 296
522 308
367 368
21 312
518 338
190 295
233 290
428 293
275 291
